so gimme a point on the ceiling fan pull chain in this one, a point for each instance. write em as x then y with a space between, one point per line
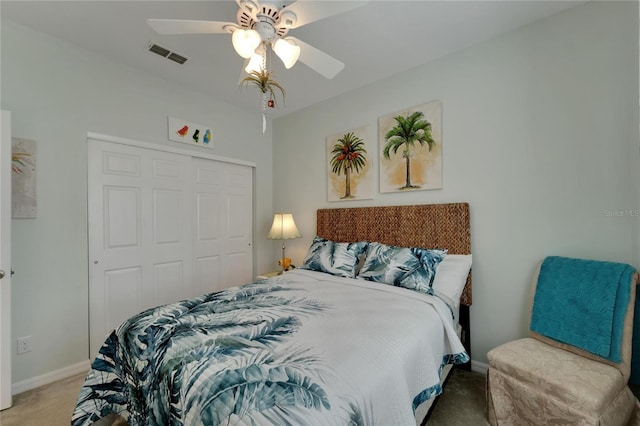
265 99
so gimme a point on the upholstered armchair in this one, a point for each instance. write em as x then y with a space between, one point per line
542 380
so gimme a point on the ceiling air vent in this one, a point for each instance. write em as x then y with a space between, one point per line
177 58
166 53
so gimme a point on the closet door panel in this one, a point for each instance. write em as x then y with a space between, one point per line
140 248
163 226
239 222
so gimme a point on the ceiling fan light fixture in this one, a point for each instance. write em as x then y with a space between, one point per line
245 42
287 51
255 63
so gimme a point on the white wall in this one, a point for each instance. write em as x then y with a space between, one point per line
57 93
540 136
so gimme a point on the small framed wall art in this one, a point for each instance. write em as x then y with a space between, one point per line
190 133
23 178
410 145
349 157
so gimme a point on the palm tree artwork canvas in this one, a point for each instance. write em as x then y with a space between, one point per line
349 165
23 178
411 149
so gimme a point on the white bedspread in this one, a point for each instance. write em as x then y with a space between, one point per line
390 341
362 353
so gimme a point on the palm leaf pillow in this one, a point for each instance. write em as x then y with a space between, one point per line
409 267
338 259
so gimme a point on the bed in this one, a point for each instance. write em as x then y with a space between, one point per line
327 343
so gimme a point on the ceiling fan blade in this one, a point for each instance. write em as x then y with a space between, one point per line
182 26
311 11
317 60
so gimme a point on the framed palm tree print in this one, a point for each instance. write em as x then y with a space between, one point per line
349 165
411 149
23 178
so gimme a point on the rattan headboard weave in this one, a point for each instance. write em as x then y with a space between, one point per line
427 225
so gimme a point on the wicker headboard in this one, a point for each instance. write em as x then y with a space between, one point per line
429 225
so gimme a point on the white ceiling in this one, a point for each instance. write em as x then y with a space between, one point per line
374 41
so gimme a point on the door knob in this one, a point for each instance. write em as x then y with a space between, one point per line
1 274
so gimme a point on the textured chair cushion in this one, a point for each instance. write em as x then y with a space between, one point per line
511 402
582 383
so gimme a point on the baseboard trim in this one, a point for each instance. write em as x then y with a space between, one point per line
479 367
50 377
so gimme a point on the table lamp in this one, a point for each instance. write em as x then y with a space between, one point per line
283 228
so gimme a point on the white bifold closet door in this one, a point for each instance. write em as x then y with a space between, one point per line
163 226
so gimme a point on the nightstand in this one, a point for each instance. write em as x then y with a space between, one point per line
268 275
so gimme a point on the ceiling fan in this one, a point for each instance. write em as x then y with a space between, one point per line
263 25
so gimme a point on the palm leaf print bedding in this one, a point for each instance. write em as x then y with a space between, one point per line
301 348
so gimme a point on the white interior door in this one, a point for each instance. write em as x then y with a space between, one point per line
238 203
223 224
163 226
5 261
140 245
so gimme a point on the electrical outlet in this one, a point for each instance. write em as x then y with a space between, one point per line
24 345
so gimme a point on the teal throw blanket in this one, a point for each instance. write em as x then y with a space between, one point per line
583 303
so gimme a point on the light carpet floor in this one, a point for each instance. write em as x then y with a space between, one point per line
49 405
52 405
461 404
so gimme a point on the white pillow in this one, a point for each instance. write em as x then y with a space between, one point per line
451 275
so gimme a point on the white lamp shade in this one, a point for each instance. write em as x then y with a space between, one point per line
255 63
287 51
283 227
245 42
